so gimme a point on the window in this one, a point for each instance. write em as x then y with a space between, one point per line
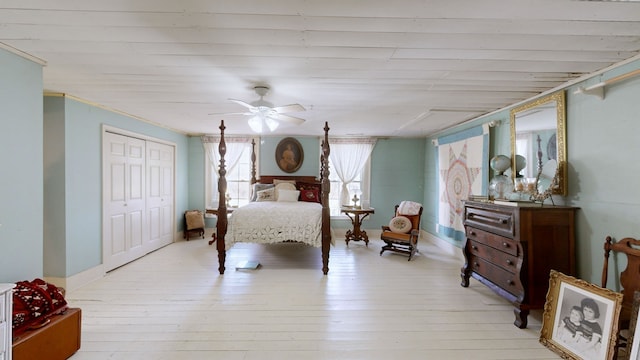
349 171
354 187
239 181
238 166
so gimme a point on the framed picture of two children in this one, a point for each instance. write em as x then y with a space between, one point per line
580 319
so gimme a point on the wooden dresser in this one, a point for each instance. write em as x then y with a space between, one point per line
6 309
512 249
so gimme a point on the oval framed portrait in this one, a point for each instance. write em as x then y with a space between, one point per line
289 155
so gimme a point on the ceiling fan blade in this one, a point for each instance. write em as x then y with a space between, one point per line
289 108
232 113
240 102
288 118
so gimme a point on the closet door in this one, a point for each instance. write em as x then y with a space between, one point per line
160 175
124 199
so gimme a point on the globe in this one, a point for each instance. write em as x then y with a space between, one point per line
500 163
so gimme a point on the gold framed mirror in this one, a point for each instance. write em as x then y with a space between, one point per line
538 134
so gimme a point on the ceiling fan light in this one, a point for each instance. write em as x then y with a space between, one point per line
272 124
255 123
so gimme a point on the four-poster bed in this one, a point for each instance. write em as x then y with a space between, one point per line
311 224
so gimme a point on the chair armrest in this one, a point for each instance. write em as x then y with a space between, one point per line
385 228
415 232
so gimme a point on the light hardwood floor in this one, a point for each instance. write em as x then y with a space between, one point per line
173 304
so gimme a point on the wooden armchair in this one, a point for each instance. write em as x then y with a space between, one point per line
403 231
629 280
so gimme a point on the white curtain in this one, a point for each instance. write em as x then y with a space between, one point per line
525 147
348 156
235 147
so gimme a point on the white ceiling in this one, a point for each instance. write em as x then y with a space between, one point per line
369 67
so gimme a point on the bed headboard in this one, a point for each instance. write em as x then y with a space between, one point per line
268 179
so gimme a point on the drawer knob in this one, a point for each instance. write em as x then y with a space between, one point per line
476 264
509 262
505 244
472 233
504 221
510 282
474 247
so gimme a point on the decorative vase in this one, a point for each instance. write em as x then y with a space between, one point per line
501 185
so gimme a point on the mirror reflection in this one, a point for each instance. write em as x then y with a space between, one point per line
546 175
538 140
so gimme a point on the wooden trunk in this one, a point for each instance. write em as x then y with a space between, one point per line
57 340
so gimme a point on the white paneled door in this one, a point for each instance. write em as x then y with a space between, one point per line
160 194
138 187
124 194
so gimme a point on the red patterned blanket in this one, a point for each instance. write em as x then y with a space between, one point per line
33 302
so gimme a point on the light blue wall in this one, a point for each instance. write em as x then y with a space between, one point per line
602 150
55 246
21 201
397 174
310 166
74 140
602 154
196 171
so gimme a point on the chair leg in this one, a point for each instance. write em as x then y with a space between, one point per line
412 251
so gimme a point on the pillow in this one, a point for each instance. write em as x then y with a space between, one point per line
284 186
288 195
195 219
279 181
257 187
266 195
400 224
309 196
310 186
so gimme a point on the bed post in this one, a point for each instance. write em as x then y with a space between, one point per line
221 225
253 162
326 214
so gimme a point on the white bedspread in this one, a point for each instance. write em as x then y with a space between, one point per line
270 222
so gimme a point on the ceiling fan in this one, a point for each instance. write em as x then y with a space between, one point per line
264 113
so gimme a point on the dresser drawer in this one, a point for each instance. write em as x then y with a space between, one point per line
499 258
501 243
500 221
3 337
497 275
3 316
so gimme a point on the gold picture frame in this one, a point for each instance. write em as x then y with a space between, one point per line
565 327
632 351
289 155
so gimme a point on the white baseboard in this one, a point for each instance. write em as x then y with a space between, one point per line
447 247
78 280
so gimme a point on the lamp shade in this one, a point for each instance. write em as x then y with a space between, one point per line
258 122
